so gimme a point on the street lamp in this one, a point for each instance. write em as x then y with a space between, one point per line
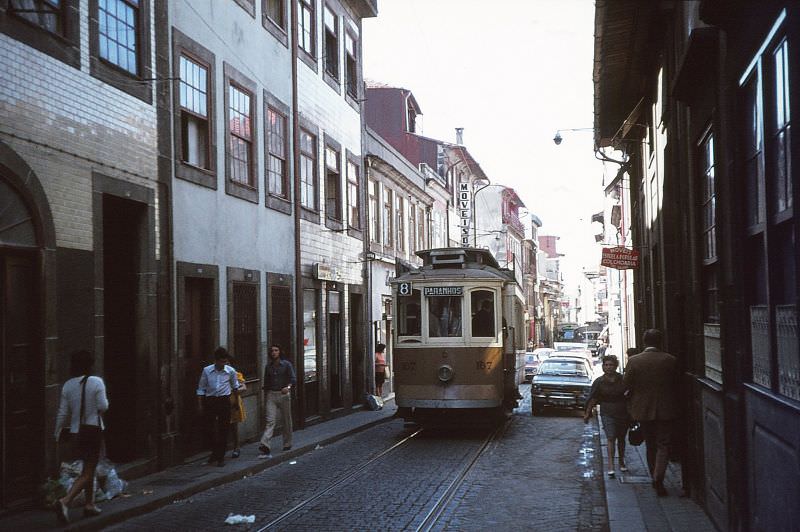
558 139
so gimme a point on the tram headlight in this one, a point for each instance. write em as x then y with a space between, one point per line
445 373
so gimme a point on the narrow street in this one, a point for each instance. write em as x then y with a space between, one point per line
537 473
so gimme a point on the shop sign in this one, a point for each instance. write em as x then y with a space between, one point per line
620 258
464 212
325 272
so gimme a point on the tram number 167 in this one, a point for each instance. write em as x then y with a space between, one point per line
483 364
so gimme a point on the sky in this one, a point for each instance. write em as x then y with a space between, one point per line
511 73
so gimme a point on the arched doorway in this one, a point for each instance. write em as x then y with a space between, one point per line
21 346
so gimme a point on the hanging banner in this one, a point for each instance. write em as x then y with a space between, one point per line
620 258
464 212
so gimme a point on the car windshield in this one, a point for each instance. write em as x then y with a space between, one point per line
563 367
529 359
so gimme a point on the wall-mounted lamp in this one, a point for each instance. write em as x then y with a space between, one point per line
558 139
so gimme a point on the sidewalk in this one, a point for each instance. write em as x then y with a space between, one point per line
633 504
160 489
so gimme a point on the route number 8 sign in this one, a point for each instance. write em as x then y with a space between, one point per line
404 289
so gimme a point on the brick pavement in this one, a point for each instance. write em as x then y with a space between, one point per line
633 504
163 488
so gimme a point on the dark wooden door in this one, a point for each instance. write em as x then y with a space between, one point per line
280 319
197 353
20 380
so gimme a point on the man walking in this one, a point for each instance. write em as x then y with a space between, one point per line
217 392
279 377
653 379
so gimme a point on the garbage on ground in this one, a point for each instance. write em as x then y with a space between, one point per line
293 462
373 401
318 447
237 519
107 483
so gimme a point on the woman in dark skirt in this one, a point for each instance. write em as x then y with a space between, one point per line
83 401
380 368
608 390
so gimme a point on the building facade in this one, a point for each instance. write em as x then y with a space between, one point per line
84 244
698 95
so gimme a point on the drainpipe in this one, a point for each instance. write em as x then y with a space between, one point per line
369 359
298 271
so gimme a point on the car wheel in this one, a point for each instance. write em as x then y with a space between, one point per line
536 408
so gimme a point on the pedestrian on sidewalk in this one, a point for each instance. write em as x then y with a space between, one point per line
279 377
218 393
238 414
380 368
83 401
608 391
653 379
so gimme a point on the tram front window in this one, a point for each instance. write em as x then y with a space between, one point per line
409 317
444 316
482 303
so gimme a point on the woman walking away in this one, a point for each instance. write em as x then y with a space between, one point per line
83 401
380 369
608 390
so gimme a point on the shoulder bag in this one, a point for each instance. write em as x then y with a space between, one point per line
86 432
635 434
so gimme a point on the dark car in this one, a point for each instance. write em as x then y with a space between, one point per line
532 361
561 381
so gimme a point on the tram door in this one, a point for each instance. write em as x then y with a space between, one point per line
20 386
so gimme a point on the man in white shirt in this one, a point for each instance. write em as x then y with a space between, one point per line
217 392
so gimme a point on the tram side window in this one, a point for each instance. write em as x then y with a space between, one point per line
409 315
444 316
482 303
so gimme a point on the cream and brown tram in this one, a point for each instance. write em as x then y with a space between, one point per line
458 337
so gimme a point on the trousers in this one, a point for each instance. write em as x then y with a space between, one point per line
218 418
279 408
658 439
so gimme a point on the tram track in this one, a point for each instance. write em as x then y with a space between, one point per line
286 516
438 508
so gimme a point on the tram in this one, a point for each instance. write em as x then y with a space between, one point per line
459 338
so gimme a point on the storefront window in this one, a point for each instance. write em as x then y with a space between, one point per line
310 373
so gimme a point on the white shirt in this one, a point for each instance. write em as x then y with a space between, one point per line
95 403
215 383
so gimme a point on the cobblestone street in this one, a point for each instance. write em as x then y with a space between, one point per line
540 473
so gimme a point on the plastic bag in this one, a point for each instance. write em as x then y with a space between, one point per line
236 519
374 402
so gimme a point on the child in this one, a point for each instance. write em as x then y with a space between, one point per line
237 414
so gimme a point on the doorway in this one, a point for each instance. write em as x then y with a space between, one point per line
20 379
335 358
280 319
198 346
356 348
123 223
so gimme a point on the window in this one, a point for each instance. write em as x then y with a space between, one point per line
46 14
353 196
306 26
308 170
400 223
482 309
275 11
333 185
388 223
412 229
331 43
421 227
195 148
310 373
118 30
409 317
374 212
277 173
709 229
771 292
444 316
240 149
351 65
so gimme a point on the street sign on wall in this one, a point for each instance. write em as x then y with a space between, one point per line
620 258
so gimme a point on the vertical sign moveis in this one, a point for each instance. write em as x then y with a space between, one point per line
465 212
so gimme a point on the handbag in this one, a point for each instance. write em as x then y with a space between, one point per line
387 373
635 434
86 432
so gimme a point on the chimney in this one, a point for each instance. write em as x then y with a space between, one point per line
460 136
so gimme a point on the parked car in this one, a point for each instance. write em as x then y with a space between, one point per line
561 381
574 348
533 359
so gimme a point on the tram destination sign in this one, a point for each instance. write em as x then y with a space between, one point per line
433 291
620 258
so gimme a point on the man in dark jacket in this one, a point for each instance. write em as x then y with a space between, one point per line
279 377
653 379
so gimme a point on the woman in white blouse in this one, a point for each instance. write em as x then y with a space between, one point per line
83 401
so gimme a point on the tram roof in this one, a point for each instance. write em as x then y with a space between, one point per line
457 263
